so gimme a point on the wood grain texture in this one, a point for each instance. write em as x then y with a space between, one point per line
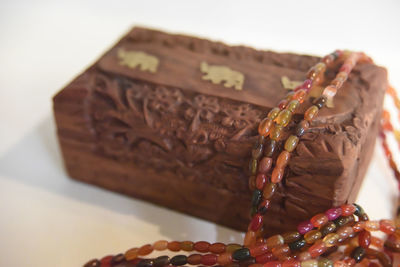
182 142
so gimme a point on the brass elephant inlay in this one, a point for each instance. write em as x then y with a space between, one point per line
218 74
133 59
289 84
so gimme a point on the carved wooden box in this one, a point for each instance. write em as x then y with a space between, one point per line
171 119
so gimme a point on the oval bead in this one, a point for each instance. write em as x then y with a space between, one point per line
320 102
304 227
372 226
364 239
309 263
277 175
296 245
333 213
293 105
331 240
258 250
291 143
273 113
117 258
324 262
217 248
187 245
329 227
224 258
282 104
178 260
269 148
145 250
201 246
283 159
348 209
252 183
269 190
276 132
260 181
92 263
232 247
344 233
209 259
281 250
241 254
256 222
257 151
174 246
300 95
265 164
143 263
194 259
132 253
274 241
263 207
301 128
303 256
257 194
290 237
265 127
317 249
160 245
249 238
161 261
312 236
311 113
387 226
284 117
319 220
358 254
291 263
265 258
253 165
329 92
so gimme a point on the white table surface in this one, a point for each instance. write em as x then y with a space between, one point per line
46 219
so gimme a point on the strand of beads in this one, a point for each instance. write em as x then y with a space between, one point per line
271 128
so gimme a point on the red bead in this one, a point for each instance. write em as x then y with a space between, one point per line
209 259
260 181
173 246
106 261
201 246
319 220
282 104
273 264
194 259
348 209
304 227
258 250
256 222
147 249
364 239
306 84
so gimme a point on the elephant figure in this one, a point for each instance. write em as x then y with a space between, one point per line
133 59
218 74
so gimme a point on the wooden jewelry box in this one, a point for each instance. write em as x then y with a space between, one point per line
172 119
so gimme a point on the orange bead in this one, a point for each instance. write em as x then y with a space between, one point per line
300 95
281 250
274 241
174 246
283 159
359 226
217 248
269 190
376 242
145 250
372 226
249 238
387 226
160 245
194 259
258 250
312 236
331 240
364 239
265 127
224 258
277 175
319 220
131 254
273 113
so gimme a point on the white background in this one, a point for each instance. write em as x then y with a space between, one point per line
47 219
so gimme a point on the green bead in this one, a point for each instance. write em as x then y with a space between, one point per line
293 105
324 262
161 261
284 117
328 228
257 194
273 113
269 148
178 260
145 263
253 166
296 245
291 143
241 254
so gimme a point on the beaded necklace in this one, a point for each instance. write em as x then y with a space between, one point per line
339 237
